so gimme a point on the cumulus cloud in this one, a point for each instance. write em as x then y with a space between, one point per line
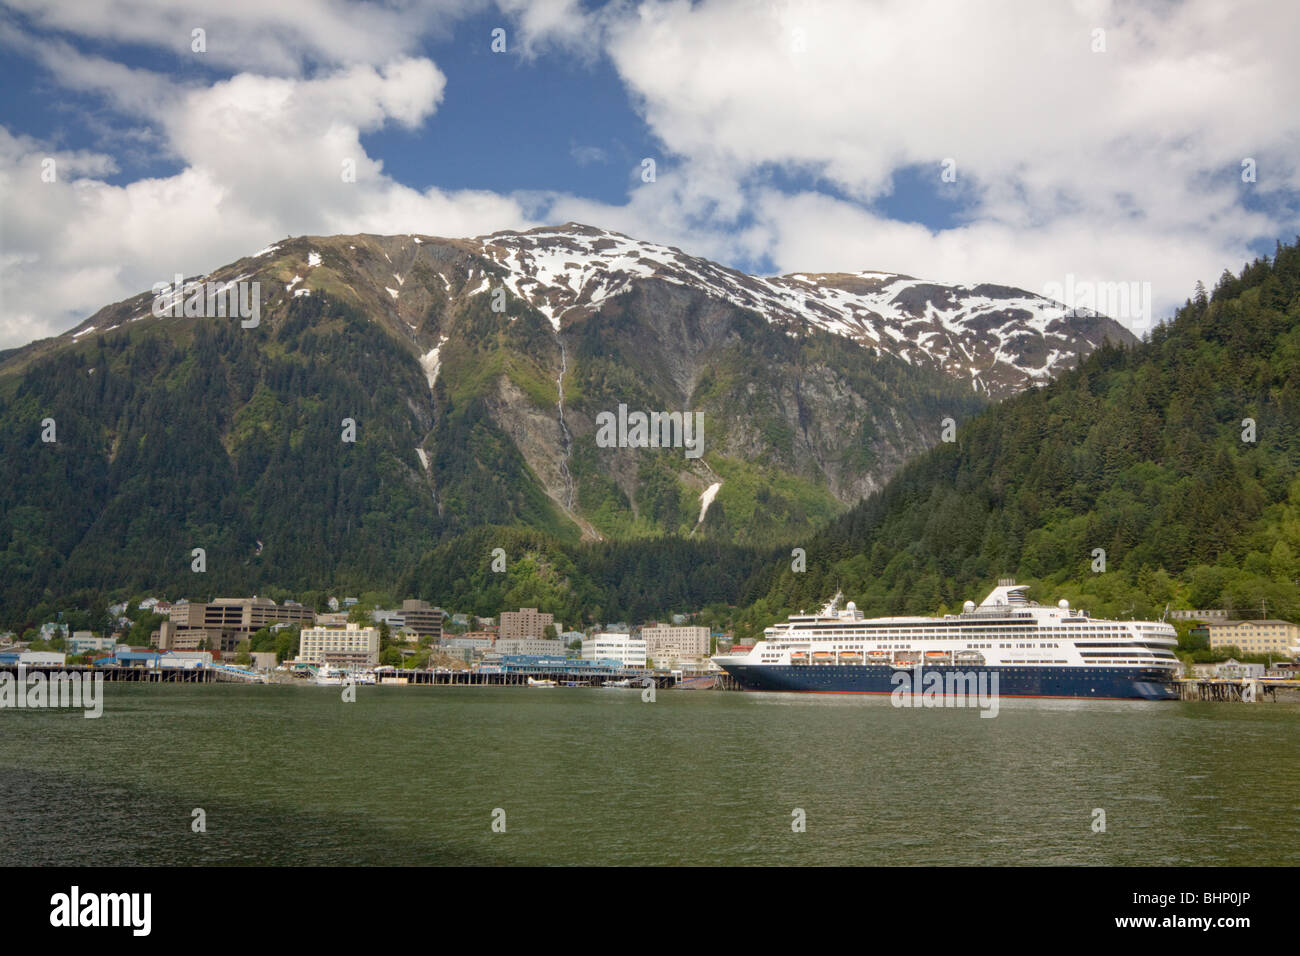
262 157
279 37
1120 162
1092 139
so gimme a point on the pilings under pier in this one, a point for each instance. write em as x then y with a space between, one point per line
1246 689
133 675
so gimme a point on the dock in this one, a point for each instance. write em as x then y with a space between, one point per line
1243 690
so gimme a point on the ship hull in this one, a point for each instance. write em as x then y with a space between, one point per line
1096 683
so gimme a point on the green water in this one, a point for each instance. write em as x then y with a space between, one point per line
411 775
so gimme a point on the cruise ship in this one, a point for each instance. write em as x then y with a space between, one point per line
1035 650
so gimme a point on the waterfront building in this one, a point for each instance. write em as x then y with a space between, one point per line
526 622
34 658
1235 670
533 665
348 646
673 646
1281 638
624 648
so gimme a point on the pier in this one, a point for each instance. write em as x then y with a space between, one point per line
1242 690
497 679
134 675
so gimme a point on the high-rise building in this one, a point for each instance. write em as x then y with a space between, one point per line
675 646
423 619
226 622
348 646
624 648
526 622
1257 637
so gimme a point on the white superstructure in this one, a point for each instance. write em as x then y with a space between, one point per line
1004 630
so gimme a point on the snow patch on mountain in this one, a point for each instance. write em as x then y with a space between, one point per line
706 499
1015 337
431 363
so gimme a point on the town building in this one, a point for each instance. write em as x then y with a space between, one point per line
672 646
1236 670
624 648
34 658
83 642
464 642
223 624
423 619
528 647
1213 614
526 622
1281 638
348 646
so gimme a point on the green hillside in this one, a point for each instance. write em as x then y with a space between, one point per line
1138 452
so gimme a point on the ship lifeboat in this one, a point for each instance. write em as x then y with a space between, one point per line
798 657
970 657
877 656
823 657
904 662
937 657
850 657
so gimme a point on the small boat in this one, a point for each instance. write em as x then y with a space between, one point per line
937 657
969 657
877 657
540 683
850 657
707 682
798 657
625 682
328 676
904 662
823 657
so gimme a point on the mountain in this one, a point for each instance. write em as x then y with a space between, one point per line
478 376
1177 458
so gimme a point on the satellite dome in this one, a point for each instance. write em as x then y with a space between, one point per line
968 606
850 606
1063 604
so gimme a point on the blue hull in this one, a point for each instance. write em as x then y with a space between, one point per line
1097 683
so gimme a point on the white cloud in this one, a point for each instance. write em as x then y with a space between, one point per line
263 157
1115 164
277 37
1122 165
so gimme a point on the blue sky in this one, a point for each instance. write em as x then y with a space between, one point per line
788 136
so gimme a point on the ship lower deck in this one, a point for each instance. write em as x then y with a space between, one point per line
1096 683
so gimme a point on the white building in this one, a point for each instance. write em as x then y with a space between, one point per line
628 650
350 645
536 646
37 658
676 646
83 642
